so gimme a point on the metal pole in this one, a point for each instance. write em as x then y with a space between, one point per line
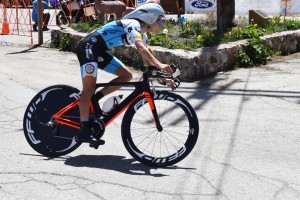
40 21
286 4
17 15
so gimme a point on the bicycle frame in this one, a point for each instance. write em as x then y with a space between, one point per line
141 88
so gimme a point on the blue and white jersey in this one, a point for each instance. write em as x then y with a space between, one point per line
122 32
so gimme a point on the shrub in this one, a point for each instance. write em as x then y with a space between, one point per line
255 53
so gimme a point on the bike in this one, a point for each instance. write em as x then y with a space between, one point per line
159 128
72 11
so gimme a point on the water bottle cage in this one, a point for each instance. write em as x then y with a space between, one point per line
110 103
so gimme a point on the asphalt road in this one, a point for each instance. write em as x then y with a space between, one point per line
248 146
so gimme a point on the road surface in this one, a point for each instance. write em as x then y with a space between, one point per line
248 147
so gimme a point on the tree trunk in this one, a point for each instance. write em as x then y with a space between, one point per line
225 14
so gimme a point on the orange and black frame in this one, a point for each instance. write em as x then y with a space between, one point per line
141 88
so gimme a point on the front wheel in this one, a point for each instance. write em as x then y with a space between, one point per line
160 148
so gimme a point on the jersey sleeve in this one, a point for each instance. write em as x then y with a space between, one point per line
133 31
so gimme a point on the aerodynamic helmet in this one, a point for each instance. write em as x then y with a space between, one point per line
147 13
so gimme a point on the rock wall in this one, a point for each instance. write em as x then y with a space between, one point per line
201 62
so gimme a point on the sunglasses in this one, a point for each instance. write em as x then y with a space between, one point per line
159 21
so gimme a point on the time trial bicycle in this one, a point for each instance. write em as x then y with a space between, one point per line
159 128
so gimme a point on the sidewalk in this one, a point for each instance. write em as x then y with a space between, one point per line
24 40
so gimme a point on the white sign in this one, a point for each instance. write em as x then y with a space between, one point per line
241 6
295 9
140 2
267 6
199 6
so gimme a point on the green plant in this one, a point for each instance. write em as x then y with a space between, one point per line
254 54
275 20
164 39
197 27
54 42
243 60
292 24
64 42
250 31
86 27
61 43
210 39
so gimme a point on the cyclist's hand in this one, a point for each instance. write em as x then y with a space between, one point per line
169 82
166 69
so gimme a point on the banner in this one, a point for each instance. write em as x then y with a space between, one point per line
241 6
140 2
200 6
267 6
295 9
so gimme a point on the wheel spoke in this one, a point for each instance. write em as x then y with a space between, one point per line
160 147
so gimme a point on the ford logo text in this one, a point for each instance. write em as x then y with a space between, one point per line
202 4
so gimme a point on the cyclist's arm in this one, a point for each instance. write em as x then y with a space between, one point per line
134 36
145 61
147 55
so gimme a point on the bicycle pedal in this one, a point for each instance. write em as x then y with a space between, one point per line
96 144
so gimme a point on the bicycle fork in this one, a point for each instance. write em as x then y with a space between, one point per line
150 100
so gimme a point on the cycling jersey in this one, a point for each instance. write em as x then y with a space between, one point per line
92 50
122 32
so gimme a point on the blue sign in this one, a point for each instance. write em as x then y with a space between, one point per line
142 1
204 4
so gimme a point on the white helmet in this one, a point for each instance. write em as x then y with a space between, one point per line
147 13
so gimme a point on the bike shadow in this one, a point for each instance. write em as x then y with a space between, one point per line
115 163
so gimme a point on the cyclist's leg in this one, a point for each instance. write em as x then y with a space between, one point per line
115 66
87 57
89 77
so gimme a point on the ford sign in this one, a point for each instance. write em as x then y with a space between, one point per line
204 4
142 1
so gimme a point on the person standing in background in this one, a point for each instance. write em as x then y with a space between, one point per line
46 16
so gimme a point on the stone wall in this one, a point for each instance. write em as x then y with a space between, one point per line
201 62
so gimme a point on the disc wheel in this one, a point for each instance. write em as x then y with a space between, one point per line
39 134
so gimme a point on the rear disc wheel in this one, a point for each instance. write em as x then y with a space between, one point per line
39 112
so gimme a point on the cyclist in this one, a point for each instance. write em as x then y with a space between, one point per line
93 53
